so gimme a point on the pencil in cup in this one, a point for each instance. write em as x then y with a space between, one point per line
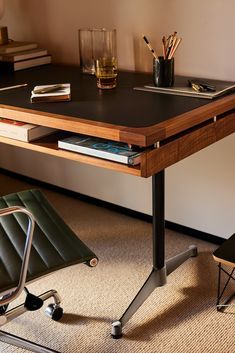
170 45
150 48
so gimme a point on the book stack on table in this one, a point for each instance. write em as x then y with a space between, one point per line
60 92
16 56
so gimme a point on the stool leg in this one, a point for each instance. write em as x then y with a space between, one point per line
220 291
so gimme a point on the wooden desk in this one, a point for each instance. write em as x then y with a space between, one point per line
169 128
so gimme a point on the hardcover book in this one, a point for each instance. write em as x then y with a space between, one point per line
23 55
19 130
24 64
15 46
51 93
97 147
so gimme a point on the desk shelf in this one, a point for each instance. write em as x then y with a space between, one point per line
49 146
153 160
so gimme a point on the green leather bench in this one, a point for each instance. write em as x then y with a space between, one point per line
34 241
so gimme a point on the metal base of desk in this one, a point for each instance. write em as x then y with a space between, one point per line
161 268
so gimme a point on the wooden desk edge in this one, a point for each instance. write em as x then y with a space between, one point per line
145 136
190 143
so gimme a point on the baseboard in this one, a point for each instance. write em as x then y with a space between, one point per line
123 210
194 233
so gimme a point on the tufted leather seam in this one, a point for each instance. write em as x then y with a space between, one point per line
53 221
17 252
20 225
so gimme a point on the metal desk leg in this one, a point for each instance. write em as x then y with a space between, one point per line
158 275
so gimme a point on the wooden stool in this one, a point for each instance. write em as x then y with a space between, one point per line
225 255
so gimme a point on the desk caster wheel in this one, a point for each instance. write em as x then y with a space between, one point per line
116 331
54 311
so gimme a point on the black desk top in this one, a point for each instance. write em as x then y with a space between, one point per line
122 107
119 106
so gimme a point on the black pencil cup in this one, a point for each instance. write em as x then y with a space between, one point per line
163 72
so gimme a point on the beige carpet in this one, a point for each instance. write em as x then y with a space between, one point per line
179 317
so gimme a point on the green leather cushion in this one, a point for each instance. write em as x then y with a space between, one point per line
54 244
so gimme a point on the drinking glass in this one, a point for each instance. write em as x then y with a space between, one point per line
85 40
105 57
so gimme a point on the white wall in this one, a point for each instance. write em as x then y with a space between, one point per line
201 189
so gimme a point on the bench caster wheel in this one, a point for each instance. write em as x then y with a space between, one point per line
116 331
54 311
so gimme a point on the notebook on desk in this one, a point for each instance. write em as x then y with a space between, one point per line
182 88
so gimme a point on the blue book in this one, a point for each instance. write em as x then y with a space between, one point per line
97 147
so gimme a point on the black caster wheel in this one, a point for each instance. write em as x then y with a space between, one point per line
54 311
3 309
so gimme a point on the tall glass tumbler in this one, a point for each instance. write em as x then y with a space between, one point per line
105 57
85 40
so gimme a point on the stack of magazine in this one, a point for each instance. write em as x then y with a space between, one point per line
97 147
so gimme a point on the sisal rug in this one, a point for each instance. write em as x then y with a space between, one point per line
178 318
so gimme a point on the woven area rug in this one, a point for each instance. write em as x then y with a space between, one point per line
179 317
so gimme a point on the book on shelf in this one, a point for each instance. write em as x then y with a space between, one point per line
15 46
182 88
23 55
24 64
19 130
60 92
98 147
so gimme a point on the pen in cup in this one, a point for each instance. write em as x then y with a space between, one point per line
150 48
170 45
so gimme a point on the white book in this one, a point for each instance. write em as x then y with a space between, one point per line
56 93
19 130
15 46
23 55
97 147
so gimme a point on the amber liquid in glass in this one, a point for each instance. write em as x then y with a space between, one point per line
106 73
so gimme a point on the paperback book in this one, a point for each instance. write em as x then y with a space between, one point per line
51 93
97 147
24 64
23 55
15 46
21 131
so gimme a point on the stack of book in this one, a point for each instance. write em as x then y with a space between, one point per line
21 131
60 92
16 56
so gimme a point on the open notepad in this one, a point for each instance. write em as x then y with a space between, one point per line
182 88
